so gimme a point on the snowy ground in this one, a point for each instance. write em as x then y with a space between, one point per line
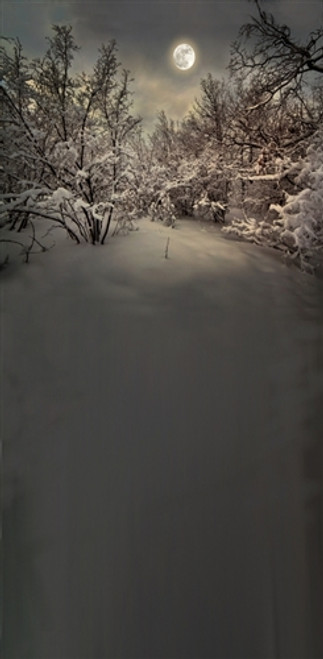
162 451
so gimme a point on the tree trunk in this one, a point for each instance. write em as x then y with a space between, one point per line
106 230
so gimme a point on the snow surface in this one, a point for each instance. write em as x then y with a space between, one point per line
162 450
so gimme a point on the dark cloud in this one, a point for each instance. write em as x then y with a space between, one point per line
151 26
146 31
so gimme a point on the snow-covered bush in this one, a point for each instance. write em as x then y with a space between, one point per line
207 209
66 145
301 218
163 210
298 227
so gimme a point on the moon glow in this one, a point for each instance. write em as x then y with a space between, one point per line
184 56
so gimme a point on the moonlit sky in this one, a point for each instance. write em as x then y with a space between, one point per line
146 32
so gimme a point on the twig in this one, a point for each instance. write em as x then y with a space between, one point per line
166 248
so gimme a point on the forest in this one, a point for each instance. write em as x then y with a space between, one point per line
249 155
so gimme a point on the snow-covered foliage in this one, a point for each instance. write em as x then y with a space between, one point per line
229 137
301 217
194 179
66 146
207 209
298 229
163 210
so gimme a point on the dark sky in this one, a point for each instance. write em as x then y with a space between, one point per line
146 32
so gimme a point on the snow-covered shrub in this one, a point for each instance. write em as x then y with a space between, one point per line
298 227
254 194
66 146
301 218
206 209
163 210
196 182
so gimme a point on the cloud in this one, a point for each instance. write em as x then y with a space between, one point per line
28 23
146 31
300 15
153 94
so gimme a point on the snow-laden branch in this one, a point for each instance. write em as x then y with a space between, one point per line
298 227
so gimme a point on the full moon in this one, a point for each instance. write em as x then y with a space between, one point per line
184 56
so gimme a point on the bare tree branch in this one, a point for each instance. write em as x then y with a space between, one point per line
268 53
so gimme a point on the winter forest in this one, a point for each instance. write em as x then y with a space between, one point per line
248 156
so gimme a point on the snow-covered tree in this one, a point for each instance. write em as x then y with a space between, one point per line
277 124
298 226
301 218
276 103
66 139
188 160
